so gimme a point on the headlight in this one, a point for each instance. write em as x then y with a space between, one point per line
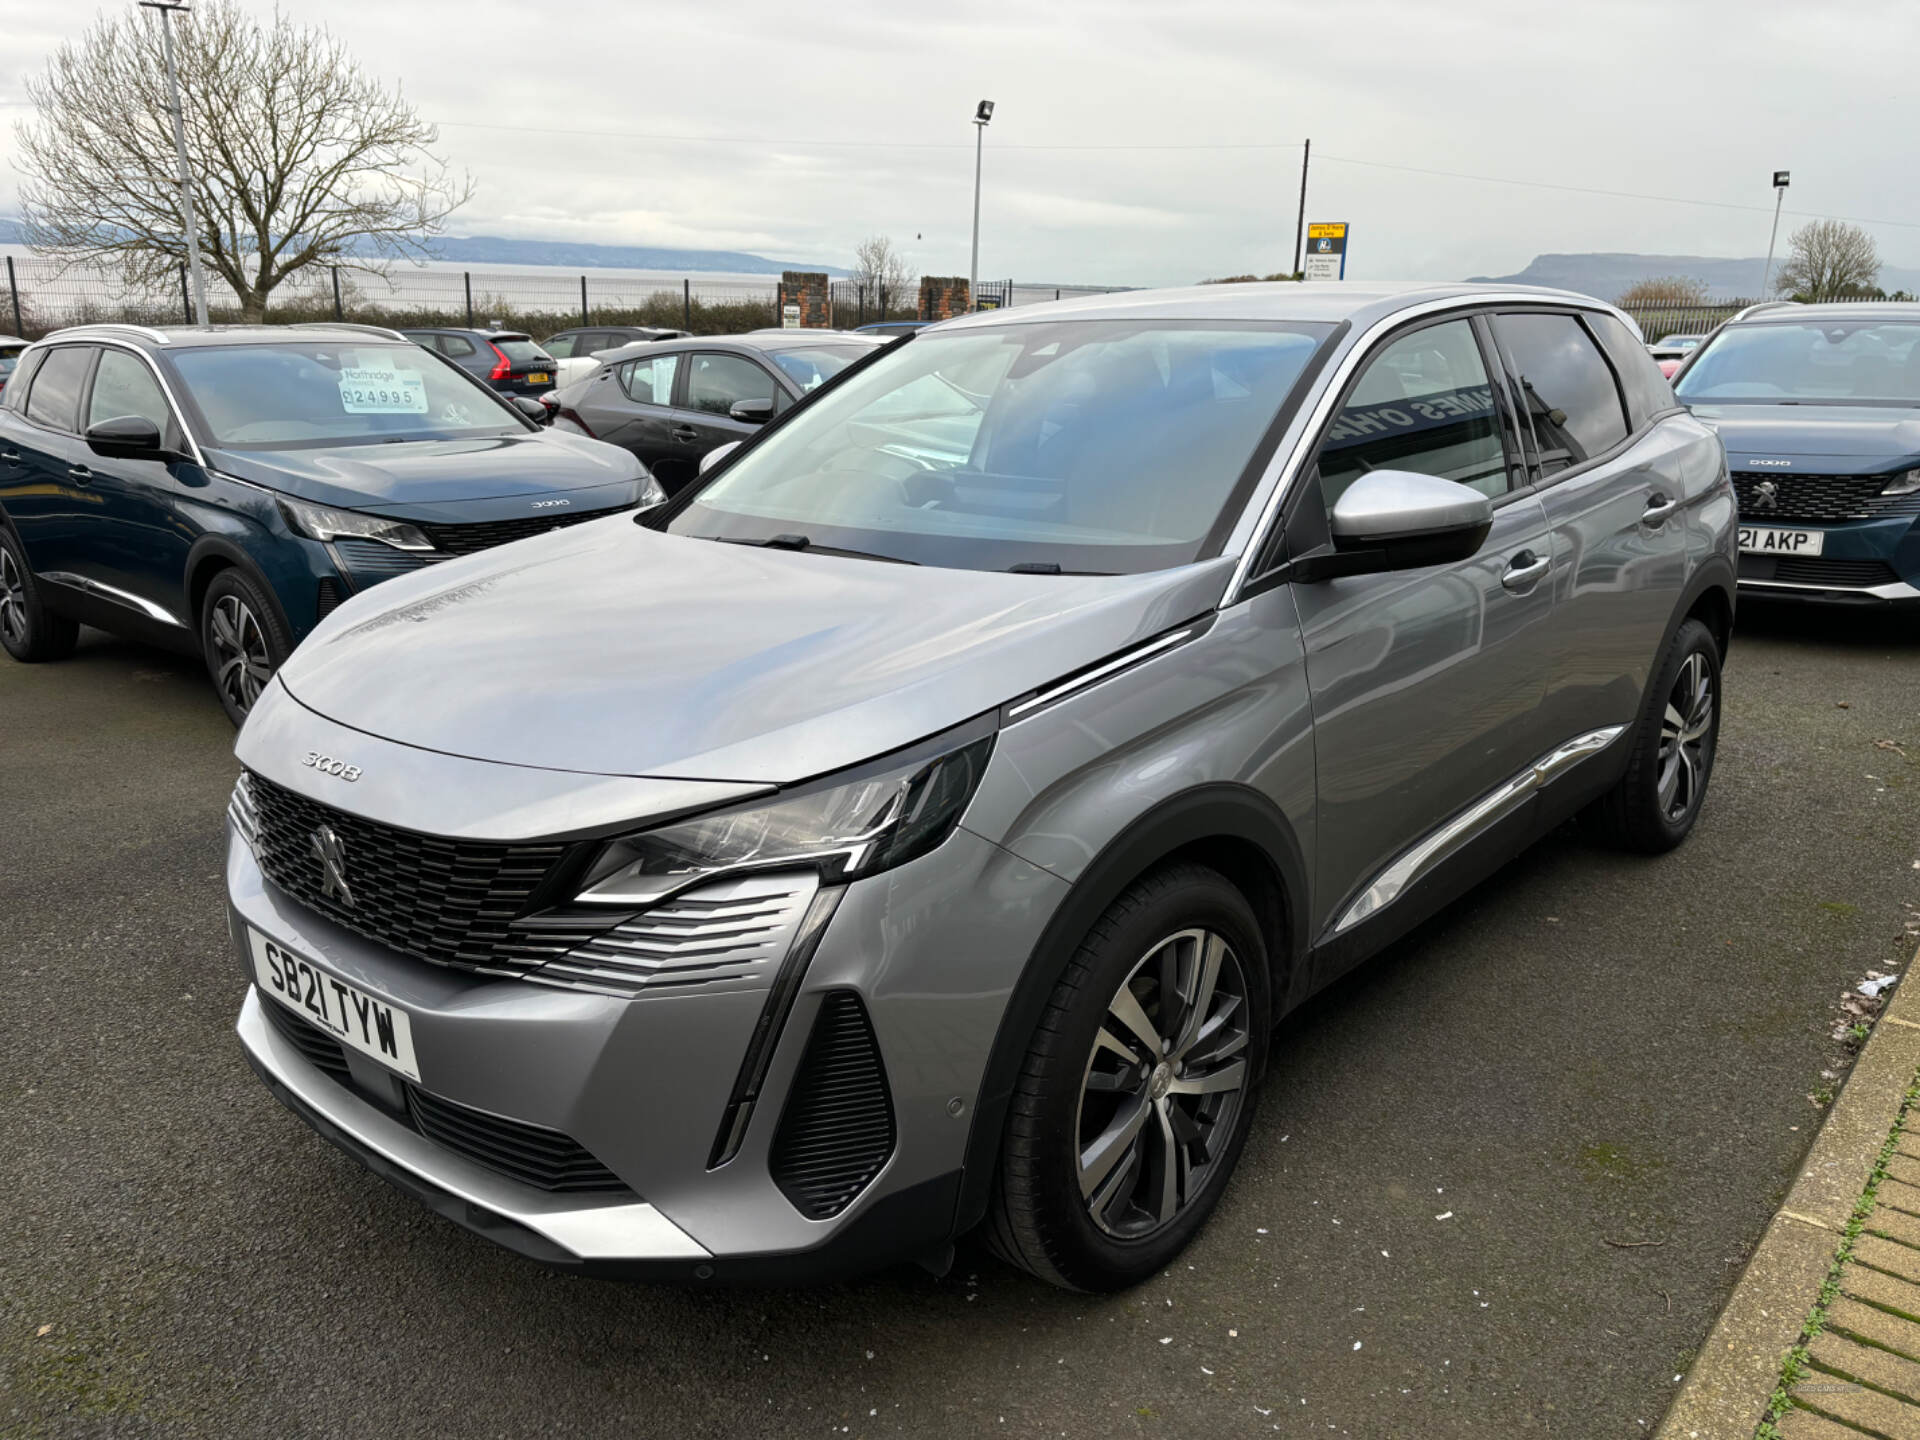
843 828
322 522
1903 484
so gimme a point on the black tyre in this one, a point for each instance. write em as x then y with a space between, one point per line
1654 806
28 629
243 639
1137 1093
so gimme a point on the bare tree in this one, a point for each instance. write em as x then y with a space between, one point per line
1661 290
1829 260
881 269
300 158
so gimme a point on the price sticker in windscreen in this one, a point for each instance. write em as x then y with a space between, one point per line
368 390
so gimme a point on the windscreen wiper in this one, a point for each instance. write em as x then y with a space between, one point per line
789 540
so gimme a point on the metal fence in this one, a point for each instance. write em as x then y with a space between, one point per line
44 294
1657 322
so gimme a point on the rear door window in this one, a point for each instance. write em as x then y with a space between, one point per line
561 346
1424 404
454 346
650 381
1567 388
1648 393
22 378
55 397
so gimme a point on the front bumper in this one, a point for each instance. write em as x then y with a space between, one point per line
643 1082
1868 563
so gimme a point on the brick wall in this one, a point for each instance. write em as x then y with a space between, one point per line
808 290
942 296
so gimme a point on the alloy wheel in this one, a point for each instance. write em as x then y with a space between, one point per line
1685 734
13 600
1163 1085
242 663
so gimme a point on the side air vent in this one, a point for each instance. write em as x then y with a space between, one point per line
837 1130
328 600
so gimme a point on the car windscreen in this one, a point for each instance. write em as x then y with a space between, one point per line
285 396
817 364
1106 446
519 347
1812 362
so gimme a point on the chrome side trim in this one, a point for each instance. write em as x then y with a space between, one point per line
1897 590
634 1231
1411 864
119 597
1288 458
1098 673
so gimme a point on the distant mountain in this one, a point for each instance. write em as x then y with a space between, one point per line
1608 276
498 250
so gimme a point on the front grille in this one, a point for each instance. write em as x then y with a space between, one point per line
485 534
454 902
837 1129
531 1154
1818 499
1817 570
316 1047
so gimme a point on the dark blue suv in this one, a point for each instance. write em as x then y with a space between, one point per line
220 490
1819 408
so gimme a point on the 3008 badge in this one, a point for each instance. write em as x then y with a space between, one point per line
328 765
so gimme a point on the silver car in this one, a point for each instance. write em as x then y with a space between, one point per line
920 823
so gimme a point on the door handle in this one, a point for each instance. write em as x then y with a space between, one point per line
80 473
12 457
685 432
1524 569
1658 509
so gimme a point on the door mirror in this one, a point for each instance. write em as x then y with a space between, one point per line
533 409
714 456
1400 520
127 437
751 412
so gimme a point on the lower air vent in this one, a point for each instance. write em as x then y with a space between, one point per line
328 599
316 1047
837 1130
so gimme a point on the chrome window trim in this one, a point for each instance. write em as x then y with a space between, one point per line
1496 804
1285 467
1894 590
127 598
82 334
1041 698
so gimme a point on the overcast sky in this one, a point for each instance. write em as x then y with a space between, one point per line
810 126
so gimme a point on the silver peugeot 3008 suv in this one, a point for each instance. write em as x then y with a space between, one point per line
922 821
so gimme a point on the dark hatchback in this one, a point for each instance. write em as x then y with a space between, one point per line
672 401
507 360
221 490
1819 409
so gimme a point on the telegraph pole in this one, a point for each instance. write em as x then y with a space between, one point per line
1300 222
167 8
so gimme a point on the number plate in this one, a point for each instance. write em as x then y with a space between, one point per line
539 377
1761 540
353 1017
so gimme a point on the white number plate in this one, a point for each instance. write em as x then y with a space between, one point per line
1761 540
348 1013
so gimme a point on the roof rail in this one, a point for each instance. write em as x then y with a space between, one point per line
1763 305
158 337
348 325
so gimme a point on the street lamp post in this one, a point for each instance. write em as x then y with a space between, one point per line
1780 178
982 113
166 8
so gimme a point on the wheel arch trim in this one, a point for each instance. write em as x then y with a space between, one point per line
1222 813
